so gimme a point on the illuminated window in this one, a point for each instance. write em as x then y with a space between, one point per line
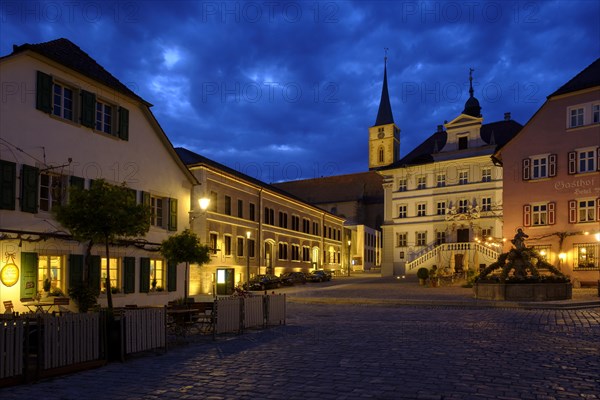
586 210
50 268
587 255
115 279
539 214
157 274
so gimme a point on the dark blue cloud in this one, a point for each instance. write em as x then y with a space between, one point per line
285 90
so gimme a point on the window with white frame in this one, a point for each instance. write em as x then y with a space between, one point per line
441 208
62 105
402 211
539 214
441 180
402 186
52 191
463 177
587 255
104 117
421 182
157 211
539 167
421 209
421 238
486 204
440 237
586 210
575 117
595 113
114 273
586 161
486 174
486 233
401 239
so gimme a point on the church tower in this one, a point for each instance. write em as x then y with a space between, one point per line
384 136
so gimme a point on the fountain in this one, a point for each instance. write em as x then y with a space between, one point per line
519 276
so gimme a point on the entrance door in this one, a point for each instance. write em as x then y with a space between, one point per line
458 263
462 235
225 281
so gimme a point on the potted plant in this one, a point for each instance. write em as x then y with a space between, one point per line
433 279
422 274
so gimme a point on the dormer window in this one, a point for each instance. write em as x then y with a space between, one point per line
463 143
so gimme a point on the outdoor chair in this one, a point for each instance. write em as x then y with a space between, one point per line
62 305
8 307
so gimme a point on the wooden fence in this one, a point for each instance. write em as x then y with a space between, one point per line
12 334
143 329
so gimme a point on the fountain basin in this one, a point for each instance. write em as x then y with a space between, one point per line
523 291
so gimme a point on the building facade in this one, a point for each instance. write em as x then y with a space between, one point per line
552 178
66 121
255 228
443 200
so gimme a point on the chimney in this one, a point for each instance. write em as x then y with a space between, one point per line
507 116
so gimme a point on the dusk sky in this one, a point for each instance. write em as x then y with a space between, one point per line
287 90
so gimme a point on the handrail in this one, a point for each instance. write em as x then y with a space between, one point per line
445 247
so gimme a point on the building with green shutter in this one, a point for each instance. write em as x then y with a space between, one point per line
67 121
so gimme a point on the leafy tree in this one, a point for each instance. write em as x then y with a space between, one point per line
185 247
103 214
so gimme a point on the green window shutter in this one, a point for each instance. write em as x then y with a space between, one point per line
77 182
172 214
88 109
94 272
8 181
29 189
29 266
132 195
144 275
171 276
75 270
128 274
43 100
123 123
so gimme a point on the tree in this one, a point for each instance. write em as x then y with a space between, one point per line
103 214
185 247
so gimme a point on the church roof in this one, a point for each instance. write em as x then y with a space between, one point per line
67 53
364 186
588 78
384 114
497 133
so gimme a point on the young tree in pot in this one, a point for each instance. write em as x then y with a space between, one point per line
422 274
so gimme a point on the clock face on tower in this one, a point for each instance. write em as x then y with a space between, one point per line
380 135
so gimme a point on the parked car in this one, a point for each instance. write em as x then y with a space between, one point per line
293 278
264 282
319 275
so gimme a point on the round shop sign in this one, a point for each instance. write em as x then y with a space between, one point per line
9 274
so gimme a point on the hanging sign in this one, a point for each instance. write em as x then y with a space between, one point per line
9 275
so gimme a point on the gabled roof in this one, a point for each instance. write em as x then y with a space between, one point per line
364 186
497 133
67 53
384 114
588 78
192 159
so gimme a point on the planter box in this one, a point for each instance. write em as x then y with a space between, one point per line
523 291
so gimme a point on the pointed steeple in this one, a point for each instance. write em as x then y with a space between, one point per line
472 106
384 115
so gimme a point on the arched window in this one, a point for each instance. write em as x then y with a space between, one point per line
381 154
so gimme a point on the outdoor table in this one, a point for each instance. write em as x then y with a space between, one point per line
39 306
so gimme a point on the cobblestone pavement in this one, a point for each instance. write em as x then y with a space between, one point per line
353 351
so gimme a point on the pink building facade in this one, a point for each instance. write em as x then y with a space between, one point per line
552 178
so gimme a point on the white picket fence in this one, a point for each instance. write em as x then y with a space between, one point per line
70 339
254 312
228 315
276 310
143 329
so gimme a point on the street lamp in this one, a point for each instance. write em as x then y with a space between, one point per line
349 244
204 203
248 258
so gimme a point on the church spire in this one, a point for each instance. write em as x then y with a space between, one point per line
384 114
472 106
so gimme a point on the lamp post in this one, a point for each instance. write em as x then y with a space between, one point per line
248 258
349 245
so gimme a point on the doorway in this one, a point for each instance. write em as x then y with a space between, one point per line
462 235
